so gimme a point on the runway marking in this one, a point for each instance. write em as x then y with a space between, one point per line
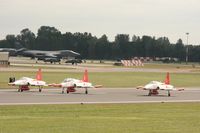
109 102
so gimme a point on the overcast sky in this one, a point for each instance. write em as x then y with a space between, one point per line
170 18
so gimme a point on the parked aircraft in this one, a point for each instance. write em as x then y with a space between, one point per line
154 86
25 82
71 84
47 56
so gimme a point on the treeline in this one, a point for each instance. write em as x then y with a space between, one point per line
91 47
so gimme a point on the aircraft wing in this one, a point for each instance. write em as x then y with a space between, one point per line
51 54
179 89
88 85
98 86
42 54
140 87
37 83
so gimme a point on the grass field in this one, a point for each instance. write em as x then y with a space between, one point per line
171 66
102 118
110 79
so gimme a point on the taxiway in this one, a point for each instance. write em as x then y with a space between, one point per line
100 95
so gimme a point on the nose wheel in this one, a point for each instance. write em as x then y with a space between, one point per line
168 94
40 88
63 90
86 91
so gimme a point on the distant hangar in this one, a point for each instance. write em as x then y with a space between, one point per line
4 59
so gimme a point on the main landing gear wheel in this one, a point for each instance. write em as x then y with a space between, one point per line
169 94
40 90
63 90
86 91
20 90
67 91
149 93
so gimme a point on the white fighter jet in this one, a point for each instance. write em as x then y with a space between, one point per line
71 84
154 86
25 82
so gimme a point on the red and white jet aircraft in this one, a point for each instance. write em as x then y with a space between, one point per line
72 84
25 82
154 86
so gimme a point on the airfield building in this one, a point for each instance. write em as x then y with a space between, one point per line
4 59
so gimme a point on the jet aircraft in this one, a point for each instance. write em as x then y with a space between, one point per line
25 82
47 56
71 84
154 86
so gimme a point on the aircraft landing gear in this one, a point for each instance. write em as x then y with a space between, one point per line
63 90
40 89
70 89
20 90
153 92
149 93
86 91
169 94
23 88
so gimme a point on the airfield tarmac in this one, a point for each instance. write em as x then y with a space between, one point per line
100 95
95 96
25 64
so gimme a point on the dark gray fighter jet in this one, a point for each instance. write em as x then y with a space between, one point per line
47 56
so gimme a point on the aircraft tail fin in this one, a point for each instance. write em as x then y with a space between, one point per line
167 80
85 76
39 74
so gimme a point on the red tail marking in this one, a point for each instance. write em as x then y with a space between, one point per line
39 74
85 76
167 80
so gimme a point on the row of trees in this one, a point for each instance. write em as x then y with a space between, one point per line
91 47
